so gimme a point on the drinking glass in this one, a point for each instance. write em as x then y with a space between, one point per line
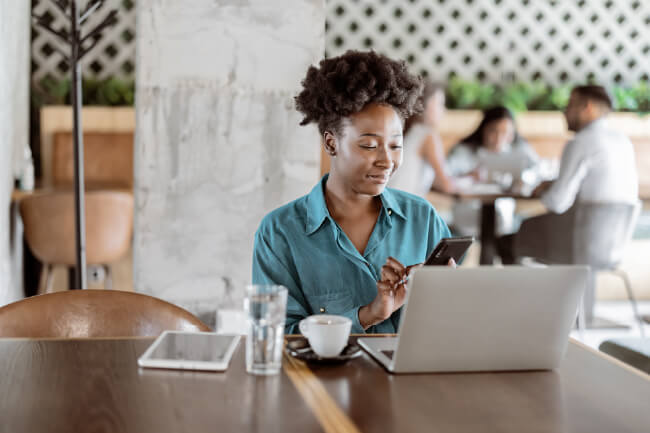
265 307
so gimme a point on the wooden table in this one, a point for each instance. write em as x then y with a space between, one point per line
96 385
487 230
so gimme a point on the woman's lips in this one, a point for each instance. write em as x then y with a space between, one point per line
379 178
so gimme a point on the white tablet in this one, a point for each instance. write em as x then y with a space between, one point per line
190 351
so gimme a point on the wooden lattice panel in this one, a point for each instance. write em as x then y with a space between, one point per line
501 40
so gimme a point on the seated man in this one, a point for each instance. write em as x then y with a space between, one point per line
596 166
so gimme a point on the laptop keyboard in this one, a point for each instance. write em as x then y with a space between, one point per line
388 353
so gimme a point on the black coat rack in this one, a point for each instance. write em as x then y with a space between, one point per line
79 47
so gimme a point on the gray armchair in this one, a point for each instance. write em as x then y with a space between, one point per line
589 233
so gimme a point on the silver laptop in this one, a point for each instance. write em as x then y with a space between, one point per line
483 319
514 162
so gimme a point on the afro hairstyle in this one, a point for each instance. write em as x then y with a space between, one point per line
344 85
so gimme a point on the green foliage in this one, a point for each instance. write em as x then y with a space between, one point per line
111 91
470 94
523 96
464 94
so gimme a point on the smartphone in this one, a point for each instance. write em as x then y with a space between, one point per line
449 248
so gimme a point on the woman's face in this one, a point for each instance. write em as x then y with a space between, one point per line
498 134
435 108
369 149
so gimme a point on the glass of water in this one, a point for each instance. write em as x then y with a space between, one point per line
265 307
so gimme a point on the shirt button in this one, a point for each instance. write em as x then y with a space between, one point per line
390 211
322 309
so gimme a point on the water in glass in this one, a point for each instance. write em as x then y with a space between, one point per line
265 307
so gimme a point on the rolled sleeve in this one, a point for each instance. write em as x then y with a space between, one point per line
437 230
353 315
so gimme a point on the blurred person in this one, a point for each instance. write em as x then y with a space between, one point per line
423 165
496 134
342 248
597 165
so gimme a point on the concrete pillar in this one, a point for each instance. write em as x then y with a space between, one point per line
15 28
218 143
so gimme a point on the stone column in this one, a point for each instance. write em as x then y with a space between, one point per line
218 143
15 27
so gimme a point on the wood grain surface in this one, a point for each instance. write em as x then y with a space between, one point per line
589 393
96 386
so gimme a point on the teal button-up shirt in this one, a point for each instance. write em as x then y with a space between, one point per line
301 247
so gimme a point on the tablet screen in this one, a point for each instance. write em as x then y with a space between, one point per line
190 350
193 347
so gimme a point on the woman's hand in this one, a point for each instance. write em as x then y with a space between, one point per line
391 292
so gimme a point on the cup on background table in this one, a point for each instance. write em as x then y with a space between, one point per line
327 334
265 307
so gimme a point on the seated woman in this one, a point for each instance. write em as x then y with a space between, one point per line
424 155
343 248
496 134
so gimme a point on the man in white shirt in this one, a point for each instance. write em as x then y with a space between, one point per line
597 165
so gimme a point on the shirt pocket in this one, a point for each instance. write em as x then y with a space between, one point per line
331 302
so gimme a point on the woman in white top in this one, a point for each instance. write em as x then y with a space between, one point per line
424 156
496 134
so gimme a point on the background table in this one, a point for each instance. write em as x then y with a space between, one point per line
487 230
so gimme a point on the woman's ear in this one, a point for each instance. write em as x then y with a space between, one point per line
330 143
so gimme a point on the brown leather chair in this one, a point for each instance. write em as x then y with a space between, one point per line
50 229
94 313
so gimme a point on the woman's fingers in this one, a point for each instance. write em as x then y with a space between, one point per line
395 265
410 268
451 263
386 288
398 268
389 274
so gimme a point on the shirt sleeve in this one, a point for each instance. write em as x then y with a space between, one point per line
437 230
573 169
269 268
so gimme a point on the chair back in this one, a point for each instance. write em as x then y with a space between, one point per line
50 226
601 232
94 313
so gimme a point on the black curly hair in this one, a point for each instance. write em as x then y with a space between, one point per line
344 85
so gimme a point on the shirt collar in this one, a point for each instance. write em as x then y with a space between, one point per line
390 203
317 211
601 122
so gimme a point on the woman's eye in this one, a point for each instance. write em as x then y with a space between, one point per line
396 146
368 146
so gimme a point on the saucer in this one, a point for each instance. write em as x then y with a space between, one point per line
299 348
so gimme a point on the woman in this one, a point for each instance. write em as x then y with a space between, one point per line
495 135
343 248
424 155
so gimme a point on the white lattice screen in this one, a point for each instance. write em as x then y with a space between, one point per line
496 40
114 54
493 40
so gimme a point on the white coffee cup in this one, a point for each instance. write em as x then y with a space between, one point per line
327 334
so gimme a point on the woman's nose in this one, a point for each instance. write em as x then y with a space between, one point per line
383 156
